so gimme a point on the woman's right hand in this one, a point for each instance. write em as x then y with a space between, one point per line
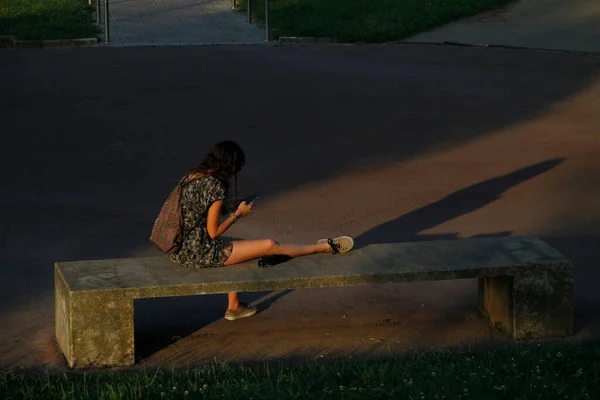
243 209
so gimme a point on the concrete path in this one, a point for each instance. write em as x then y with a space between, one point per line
387 143
549 24
179 22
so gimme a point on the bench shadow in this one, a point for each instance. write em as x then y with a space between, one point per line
162 322
581 249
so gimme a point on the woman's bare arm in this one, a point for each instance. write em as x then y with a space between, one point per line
214 212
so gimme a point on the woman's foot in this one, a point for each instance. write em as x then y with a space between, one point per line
243 311
340 244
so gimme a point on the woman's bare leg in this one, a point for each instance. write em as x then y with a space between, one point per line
245 250
234 301
248 249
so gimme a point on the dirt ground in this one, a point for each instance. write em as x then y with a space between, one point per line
388 143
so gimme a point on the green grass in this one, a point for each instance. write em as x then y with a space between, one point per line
46 19
364 20
525 372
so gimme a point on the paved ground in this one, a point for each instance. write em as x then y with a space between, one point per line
387 143
176 22
548 24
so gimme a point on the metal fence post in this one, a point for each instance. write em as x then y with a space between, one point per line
106 24
249 5
267 27
98 19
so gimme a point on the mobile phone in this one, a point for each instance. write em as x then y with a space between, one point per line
251 199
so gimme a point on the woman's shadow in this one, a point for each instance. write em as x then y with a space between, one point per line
161 322
408 227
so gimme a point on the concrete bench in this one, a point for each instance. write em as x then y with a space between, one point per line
525 287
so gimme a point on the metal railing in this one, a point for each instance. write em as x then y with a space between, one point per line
233 6
106 24
267 25
99 18
249 10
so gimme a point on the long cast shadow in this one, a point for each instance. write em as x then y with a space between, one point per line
579 248
408 227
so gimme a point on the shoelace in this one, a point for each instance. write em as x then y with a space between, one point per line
335 247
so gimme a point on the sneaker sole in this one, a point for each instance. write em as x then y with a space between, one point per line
339 237
236 317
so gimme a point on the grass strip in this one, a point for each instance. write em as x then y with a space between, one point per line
46 19
364 20
557 371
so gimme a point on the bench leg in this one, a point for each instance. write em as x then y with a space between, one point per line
62 316
495 302
535 304
94 329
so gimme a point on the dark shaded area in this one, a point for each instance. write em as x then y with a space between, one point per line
407 228
583 250
162 322
105 132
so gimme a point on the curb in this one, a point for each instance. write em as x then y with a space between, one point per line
12 41
7 41
305 40
327 40
500 46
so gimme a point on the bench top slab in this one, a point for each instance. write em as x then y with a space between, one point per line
377 263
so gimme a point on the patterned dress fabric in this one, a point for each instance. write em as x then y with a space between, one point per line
199 250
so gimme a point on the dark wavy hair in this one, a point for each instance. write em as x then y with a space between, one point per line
223 162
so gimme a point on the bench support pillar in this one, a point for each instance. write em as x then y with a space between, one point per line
94 329
534 304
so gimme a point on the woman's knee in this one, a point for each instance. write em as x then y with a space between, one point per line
271 246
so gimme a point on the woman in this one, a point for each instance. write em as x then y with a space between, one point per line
202 200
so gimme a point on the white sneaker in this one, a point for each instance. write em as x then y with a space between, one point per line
340 244
243 311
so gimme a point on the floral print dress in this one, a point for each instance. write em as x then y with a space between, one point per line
199 250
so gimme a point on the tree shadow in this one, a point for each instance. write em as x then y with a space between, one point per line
407 227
